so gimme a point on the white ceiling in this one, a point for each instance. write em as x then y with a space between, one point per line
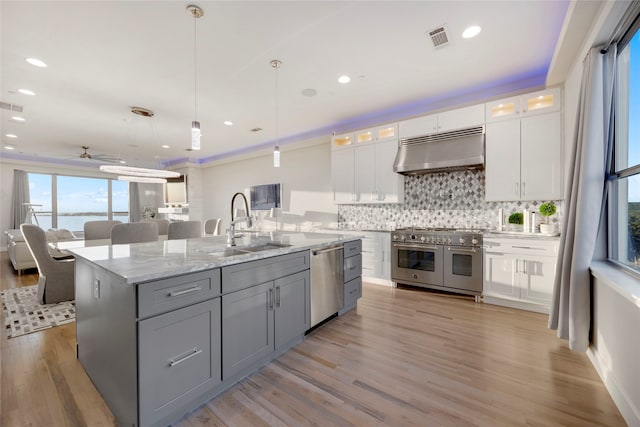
105 56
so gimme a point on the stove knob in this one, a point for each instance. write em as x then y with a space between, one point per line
422 239
449 240
395 237
403 237
462 241
474 241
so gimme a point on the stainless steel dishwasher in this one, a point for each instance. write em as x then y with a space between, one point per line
327 282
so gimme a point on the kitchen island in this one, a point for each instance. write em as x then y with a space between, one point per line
162 327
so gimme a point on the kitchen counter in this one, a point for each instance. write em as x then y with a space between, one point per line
142 262
519 235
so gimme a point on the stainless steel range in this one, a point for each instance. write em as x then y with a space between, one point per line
438 258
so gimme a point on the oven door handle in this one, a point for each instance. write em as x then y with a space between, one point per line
462 249
402 246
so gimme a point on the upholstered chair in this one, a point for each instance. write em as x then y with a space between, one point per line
94 230
56 281
163 225
212 226
135 232
184 229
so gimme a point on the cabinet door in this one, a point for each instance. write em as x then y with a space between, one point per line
179 358
507 108
502 161
342 175
389 184
544 101
500 275
419 126
247 335
538 275
461 118
342 141
365 173
292 307
541 154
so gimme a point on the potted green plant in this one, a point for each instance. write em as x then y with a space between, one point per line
546 210
515 221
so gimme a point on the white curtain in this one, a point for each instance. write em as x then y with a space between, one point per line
19 197
585 200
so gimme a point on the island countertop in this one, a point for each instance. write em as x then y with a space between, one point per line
141 262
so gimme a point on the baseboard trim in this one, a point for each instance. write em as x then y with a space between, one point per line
630 413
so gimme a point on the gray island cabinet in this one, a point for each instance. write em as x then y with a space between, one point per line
158 345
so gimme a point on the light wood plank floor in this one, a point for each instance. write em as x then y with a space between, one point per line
405 357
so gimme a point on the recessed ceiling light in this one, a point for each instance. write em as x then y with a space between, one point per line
18 119
123 162
165 146
471 32
36 62
9 147
26 92
344 79
10 135
228 122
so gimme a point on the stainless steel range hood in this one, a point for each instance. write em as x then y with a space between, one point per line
447 151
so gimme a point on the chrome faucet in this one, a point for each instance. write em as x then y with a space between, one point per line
232 225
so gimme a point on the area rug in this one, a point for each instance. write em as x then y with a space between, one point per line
23 315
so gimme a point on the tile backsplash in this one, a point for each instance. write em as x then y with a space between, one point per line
448 199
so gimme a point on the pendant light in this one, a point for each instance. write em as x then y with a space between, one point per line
197 13
275 64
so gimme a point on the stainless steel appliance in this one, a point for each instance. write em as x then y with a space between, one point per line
438 258
456 150
327 282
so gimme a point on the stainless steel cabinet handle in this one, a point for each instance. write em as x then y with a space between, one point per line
516 261
191 353
516 188
185 291
523 188
528 247
277 296
403 246
524 266
270 299
324 251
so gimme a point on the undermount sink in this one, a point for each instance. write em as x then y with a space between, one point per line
243 250
263 247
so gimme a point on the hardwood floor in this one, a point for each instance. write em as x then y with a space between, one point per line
404 357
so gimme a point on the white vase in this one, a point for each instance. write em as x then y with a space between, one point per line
547 228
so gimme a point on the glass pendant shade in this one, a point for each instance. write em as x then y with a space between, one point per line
195 135
276 157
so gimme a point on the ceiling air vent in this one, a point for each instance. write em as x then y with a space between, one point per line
11 107
439 37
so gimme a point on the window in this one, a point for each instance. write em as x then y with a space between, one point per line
69 201
625 184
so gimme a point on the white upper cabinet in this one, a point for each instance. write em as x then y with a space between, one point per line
443 122
362 166
544 101
523 159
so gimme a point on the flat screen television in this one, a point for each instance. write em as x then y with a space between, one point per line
264 197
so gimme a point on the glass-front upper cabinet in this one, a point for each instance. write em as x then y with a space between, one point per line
544 101
377 134
342 141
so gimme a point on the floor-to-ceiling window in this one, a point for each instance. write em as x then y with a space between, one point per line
69 201
624 241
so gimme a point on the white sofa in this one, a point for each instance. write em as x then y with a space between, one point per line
19 254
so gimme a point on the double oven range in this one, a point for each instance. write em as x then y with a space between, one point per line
438 258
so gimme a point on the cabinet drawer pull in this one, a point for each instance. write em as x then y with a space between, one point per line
277 296
191 353
185 291
528 247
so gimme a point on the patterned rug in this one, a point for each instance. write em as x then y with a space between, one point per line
23 315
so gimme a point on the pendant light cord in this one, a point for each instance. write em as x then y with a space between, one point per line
195 68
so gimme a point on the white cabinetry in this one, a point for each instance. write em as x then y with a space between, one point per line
443 122
541 102
362 167
376 255
519 272
524 159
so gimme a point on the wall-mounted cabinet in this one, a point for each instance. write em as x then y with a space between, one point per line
544 101
362 167
443 122
523 159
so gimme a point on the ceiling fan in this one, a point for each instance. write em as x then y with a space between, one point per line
98 157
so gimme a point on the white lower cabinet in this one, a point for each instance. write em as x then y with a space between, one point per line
519 272
376 255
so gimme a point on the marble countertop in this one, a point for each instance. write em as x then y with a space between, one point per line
142 262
